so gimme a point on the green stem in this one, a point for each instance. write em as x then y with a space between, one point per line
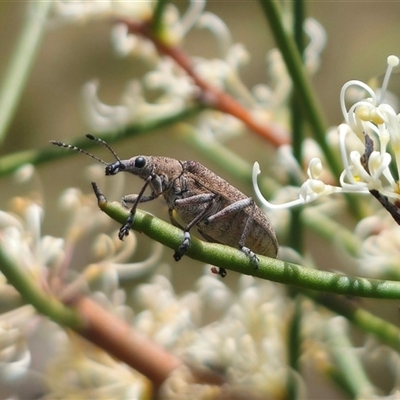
11 162
21 63
301 84
235 260
33 294
385 331
305 93
220 155
351 371
294 347
296 237
157 22
331 230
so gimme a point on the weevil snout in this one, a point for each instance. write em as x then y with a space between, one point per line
114 168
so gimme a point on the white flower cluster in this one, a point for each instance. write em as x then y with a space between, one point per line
178 90
243 335
50 262
372 130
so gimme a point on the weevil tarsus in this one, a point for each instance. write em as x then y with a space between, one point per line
124 230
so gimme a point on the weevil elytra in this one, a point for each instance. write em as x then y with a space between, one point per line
196 197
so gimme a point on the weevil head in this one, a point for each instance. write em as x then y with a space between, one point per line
115 167
140 165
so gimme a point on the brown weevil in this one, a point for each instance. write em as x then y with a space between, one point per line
196 197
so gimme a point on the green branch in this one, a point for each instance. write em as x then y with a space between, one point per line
21 62
351 372
157 25
385 331
33 294
234 260
304 92
11 162
301 83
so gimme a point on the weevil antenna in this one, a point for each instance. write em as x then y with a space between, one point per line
71 147
105 144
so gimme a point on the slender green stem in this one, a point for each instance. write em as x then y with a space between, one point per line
302 85
305 93
297 121
11 162
220 155
350 367
294 347
21 62
297 115
385 331
33 294
157 23
234 260
331 229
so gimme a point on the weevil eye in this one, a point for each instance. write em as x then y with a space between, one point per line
140 162
114 168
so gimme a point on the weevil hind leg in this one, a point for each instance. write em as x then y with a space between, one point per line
247 227
234 208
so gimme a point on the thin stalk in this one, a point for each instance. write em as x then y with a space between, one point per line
350 367
220 155
331 230
235 260
33 294
301 84
296 237
294 347
157 22
11 162
306 94
385 331
21 63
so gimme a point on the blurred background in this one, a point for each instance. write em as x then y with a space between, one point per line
360 36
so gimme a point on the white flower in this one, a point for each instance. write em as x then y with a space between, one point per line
380 122
379 255
371 130
242 334
78 11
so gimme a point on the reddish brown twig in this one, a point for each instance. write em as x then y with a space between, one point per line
210 95
124 343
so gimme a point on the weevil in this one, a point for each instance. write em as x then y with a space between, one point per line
196 197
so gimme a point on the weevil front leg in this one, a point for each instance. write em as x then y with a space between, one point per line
135 199
193 200
234 208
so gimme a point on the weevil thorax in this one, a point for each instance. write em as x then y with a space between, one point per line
165 169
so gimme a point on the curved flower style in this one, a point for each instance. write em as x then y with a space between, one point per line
369 123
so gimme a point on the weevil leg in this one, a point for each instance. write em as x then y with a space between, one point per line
247 227
234 208
203 198
196 199
124 230
132 198
231 209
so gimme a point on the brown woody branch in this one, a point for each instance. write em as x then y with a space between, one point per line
211 95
